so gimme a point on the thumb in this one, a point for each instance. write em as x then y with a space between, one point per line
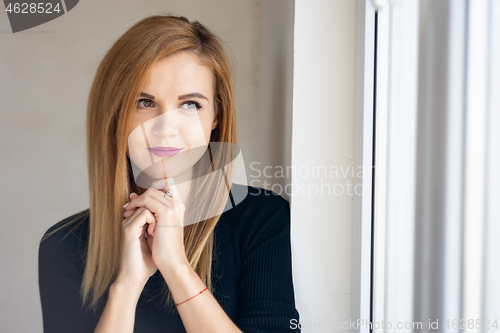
160 184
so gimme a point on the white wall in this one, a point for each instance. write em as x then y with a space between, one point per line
45 75
324 90
265 128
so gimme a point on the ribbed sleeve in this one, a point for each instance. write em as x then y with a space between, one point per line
265 289
59 283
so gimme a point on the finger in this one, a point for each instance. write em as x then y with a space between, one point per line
135 224
128 213
153 194
179 205
132 196
173 188
162 208
150 230
149 240
170 208
176 196
132 216
161 196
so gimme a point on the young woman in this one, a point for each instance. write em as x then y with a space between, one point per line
166 246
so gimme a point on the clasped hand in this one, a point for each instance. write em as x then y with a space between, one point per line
153 233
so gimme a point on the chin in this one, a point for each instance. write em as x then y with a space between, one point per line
147 177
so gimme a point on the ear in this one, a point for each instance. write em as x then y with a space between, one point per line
214 125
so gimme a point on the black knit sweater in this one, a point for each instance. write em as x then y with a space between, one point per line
251 274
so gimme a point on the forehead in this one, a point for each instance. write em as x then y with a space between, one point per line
179 73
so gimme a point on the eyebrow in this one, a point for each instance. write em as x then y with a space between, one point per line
181 97
192 95
143 94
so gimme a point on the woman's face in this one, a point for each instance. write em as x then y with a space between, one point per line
173 118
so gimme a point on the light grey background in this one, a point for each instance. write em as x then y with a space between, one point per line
45 76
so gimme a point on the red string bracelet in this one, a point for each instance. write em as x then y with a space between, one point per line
192 297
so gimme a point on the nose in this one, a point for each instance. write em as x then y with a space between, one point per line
166 124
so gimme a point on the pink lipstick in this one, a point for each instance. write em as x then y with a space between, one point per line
164 151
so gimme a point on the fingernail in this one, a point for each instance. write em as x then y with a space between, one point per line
124 213
126 204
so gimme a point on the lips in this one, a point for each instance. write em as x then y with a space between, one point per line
164 151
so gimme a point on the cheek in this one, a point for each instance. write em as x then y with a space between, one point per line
137 145
196 132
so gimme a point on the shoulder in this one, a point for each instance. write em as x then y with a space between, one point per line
261 215
258 202
74 225
62 247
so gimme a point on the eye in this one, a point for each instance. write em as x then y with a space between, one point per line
147 103
191 105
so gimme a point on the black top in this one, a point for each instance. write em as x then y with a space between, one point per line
251 274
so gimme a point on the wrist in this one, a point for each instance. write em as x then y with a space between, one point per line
175 268
120 286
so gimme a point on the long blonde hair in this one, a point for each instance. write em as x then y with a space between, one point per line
111 104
